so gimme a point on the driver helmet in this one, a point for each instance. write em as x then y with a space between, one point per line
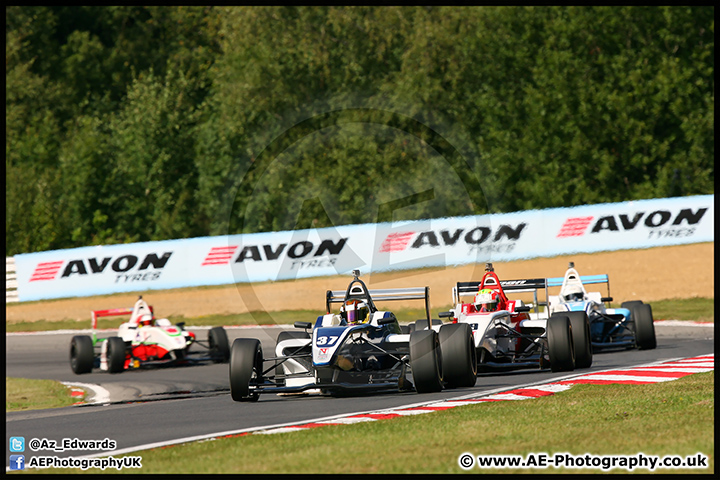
146 320
355 311
486 300
574 294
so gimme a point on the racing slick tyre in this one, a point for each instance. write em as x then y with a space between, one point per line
560 344
581 338
426 361
459 357
630 304
246 363
219 345
115 354
82 355
644 327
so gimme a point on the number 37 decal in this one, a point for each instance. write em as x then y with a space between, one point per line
326 340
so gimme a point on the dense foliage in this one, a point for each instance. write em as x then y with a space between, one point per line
132 123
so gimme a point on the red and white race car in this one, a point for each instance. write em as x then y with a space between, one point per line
144 341
508 334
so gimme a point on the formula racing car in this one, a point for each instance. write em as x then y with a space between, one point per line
144 341
358 349
508 334
629 326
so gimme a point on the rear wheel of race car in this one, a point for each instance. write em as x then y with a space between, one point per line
560 344
426 361
644 327
459 357
581 338
82 355
116 354
246 363
219 345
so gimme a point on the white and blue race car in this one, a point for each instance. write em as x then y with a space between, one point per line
361 348
630 326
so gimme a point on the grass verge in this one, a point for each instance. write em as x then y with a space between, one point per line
696 309
25 394
670 418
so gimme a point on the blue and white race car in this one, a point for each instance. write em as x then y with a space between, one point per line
630 326
358 349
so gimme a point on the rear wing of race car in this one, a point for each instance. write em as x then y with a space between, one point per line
517 286
585 279
411 293
95 314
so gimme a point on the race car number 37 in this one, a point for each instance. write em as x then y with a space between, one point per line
327 340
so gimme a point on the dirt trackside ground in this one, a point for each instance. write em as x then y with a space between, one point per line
653 274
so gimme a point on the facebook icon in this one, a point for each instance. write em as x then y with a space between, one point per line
17 462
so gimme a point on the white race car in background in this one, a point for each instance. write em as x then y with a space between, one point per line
629 326
143 341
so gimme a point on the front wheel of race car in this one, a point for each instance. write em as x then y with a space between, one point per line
426 361
644 327
82 355
116 354
581 338
459 357
219 345
630 304
560 344
246 363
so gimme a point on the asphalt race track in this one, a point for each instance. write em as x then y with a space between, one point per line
168 404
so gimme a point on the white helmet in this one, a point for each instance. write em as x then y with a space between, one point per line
573 293
146 319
